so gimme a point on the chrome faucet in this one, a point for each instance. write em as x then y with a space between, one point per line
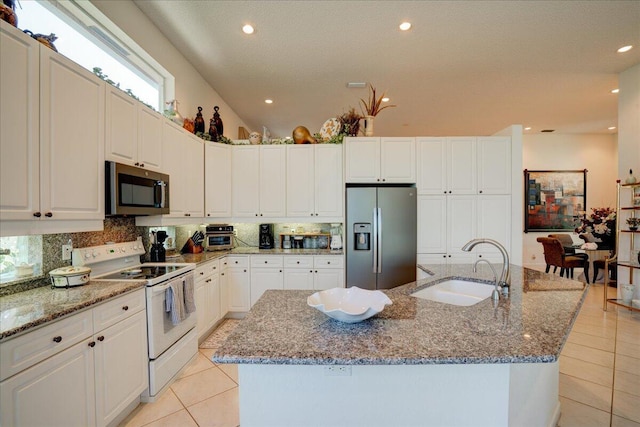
505 275
495 295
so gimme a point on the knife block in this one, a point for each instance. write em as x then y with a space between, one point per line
191 248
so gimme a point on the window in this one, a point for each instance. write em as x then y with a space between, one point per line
20 258
88 38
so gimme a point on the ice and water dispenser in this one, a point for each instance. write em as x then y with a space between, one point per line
362 236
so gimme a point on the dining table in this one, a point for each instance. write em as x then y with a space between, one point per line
600 253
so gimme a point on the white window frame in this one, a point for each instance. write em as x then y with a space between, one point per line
85 17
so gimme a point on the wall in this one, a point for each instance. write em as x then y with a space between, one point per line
191 90
596 153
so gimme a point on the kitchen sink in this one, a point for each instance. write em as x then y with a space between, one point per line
456 292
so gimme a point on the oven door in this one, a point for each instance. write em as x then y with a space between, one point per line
162 333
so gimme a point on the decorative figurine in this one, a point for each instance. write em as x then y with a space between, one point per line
213 132
630 179
254 138
218 121
198 125
301 135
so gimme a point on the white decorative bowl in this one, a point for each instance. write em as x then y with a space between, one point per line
349 305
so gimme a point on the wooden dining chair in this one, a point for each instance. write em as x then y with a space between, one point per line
555 256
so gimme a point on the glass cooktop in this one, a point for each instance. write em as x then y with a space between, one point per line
142 272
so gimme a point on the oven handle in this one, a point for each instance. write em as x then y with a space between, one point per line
158 289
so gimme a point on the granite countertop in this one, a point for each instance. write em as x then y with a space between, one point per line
248 250
29 309
530 326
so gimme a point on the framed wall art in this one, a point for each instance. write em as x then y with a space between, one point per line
554 200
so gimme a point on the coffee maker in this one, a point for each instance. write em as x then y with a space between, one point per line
266 236
157 252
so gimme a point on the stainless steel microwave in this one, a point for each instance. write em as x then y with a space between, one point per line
133 191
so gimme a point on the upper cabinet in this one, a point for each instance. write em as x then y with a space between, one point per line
52 141
217 181
314 181
19 124
186 186
380 160
133 132
258 177
464 165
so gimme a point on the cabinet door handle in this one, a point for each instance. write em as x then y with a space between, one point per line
265 262
101 338
57 339
125 308
136 164
480 191
92 344
297 262
280 271
48 214
37 214
141 165
208 280
202 273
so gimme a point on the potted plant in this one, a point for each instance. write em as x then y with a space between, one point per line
633 223
370 108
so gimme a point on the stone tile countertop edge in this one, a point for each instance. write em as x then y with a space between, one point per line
27 310
530 326
248 250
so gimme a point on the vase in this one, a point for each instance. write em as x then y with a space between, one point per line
368 125
626 293
630 179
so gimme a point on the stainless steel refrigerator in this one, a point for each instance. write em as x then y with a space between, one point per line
380 236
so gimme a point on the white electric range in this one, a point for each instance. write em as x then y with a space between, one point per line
170 347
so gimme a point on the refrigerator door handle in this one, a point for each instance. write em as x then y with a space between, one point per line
379 239
375 240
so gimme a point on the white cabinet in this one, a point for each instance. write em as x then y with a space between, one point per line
71 139
464 165
432 220
266 273
493 222
52 133
217 180
314 181
19 124
238 283
374 160
185 166
494 165
298 272
132 131
258 181
224 288
83 370
316 272
207 295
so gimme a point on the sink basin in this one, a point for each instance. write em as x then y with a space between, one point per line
456 292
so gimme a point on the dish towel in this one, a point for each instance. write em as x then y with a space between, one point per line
174 301
189 294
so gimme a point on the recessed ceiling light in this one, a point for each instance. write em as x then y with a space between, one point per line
248 29
268 101
611 128
624 49
405 26
615 91
385 99
356 85
527 128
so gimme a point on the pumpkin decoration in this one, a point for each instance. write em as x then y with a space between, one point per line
301 135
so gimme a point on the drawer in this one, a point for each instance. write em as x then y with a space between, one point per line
334 261
115 310
206 269
238 261
298 261
258 261
26 350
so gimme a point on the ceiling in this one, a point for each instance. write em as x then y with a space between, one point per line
464 68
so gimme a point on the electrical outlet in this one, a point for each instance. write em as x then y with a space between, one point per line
337 371
66 252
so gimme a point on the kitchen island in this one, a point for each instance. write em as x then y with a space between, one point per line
418 362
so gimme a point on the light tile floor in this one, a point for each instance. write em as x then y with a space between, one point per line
599 378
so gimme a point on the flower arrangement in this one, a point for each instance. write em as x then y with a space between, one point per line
633 223
371 107
601 222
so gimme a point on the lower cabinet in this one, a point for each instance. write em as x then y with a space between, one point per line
207 295
266 273
317 272
238 282
224 288
87 383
